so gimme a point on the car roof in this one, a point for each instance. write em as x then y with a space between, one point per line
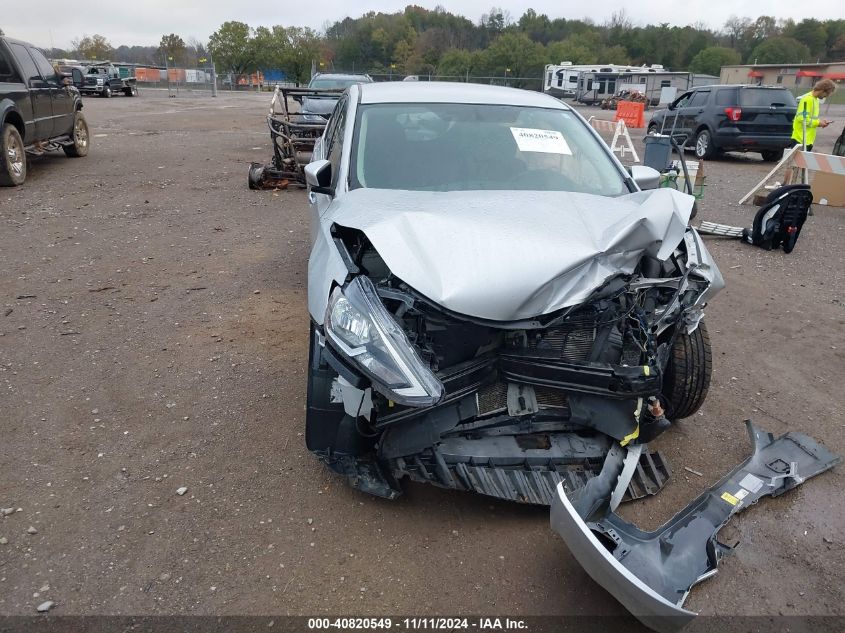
453 92
11 40
738 86
340 76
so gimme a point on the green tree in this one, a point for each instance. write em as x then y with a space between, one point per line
780 50
710 60
811 33
93 47
837 49
835 45
233 48
402 53
514 54
173 48
615 55
292 49
458 62
537 27
494 21
571 50
304 49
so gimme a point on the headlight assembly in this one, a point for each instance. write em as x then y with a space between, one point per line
361 327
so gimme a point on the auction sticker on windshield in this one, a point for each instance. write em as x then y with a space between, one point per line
545 141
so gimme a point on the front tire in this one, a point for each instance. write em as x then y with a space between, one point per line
106 92
772 155
704 145
687 376
80 136
12 157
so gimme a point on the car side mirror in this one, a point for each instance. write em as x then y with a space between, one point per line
645 177
318 175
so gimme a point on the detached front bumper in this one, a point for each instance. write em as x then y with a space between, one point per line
651 573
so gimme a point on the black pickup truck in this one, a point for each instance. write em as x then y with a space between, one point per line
104 79
40 110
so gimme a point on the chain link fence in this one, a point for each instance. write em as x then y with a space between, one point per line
199 81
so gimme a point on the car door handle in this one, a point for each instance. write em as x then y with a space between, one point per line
312 198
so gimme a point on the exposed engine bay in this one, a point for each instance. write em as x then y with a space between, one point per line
507 409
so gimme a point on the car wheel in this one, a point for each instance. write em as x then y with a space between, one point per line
687 376
13 157
772 155
704 145
80 136
106 92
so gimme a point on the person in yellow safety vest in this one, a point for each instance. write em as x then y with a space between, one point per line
807 119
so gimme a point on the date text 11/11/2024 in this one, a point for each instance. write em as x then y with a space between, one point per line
417 624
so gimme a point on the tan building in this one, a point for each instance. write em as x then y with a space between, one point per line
799 78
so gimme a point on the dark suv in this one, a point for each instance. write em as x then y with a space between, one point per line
40 110
317 108
730 118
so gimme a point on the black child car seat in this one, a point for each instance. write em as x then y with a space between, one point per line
778 222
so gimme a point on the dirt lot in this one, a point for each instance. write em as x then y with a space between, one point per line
155 336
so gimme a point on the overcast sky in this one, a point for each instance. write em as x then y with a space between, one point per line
48 23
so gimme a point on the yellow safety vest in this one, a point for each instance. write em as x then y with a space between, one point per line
808 110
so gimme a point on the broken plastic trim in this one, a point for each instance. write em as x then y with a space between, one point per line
651 573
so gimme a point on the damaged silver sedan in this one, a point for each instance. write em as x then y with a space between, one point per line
495 303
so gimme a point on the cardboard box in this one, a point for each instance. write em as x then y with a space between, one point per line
828 189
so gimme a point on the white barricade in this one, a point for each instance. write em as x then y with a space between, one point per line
797 160
620 133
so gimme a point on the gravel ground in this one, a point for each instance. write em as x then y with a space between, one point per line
155 339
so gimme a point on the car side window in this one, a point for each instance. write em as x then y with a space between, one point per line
44 67
8 74
699 98
31 76
335 148
726 96
682 101
331 127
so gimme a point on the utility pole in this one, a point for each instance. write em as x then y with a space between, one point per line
203 60
213 75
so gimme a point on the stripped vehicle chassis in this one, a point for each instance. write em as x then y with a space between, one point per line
293 135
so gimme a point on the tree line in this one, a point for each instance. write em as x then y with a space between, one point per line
419 41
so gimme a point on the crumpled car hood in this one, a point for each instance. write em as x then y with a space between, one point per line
509 255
